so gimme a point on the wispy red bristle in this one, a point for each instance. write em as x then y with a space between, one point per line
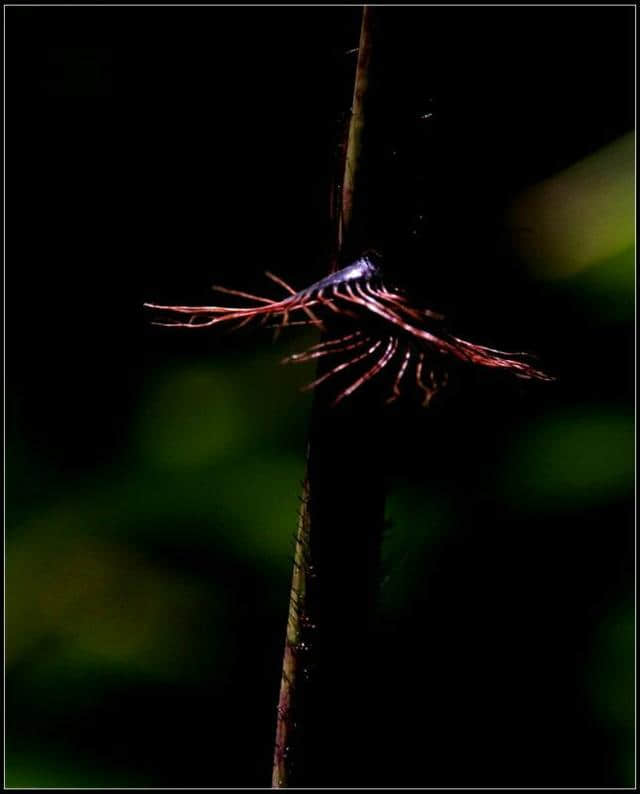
379 317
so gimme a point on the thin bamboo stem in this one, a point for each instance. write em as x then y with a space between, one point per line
314 598
286 717
356 126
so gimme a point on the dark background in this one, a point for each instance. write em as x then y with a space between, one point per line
153 476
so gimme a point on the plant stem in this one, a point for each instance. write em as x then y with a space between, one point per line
352 169
286 707
337 555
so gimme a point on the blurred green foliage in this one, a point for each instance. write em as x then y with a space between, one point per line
575 460
146 593
213 461
583 215
206 466
611 682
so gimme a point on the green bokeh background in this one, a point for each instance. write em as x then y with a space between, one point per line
147 573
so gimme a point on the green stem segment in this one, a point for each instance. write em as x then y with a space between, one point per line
353 159
286 706
336 563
